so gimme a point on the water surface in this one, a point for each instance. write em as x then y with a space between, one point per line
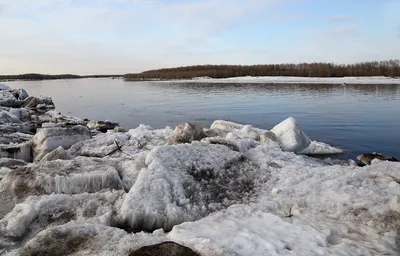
356 118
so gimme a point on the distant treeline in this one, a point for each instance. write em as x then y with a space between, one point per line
50 77
390 68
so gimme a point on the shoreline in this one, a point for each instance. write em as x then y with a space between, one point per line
340 81
111 191
286 80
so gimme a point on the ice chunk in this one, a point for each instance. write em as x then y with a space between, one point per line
86 239
101 145
21 151
7 117
102 126
320 148
10 162
38 102
8 99
187 132
148 138
38 213
22 94
48 139
238 130
290 136
57 117
62 176
4 87
58 153
187 182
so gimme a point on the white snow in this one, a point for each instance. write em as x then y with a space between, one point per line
240 191
293 80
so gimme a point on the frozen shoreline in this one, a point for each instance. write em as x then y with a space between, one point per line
230 189
293 80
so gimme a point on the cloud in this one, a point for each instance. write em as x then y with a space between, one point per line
106 34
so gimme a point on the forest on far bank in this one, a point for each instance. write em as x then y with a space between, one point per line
34 76
388 68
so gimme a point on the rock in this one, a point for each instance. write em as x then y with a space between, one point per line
290 136
48 139
164 249
366 159
22 94
187 132
394 204
102 126
56 154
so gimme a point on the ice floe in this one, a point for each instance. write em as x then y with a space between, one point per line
231 189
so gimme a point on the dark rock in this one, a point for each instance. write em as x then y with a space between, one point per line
366 159
164 249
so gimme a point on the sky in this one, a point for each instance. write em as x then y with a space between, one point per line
128 36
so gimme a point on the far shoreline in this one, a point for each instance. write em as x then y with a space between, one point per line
271 80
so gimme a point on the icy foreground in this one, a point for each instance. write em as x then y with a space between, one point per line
232 189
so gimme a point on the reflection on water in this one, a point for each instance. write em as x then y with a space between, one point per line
358 118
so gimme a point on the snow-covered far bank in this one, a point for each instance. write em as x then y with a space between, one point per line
67 188
374 80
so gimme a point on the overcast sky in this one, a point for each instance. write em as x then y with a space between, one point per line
121 36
